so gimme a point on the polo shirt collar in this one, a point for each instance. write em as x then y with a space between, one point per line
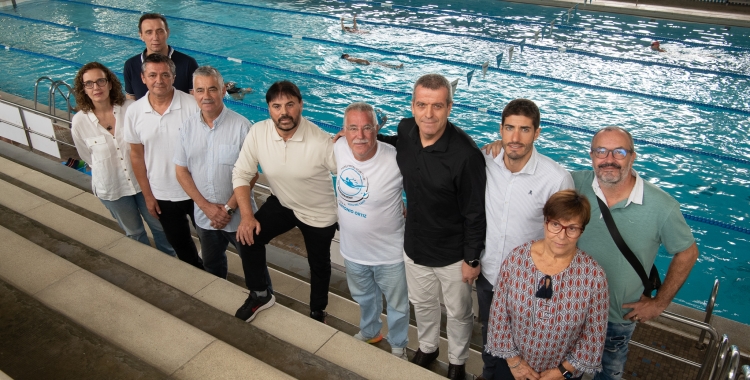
439 146
143 55
530 166
175 105
219 120
636 195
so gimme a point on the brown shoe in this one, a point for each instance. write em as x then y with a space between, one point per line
457 371
423 360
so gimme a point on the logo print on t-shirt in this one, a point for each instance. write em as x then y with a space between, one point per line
352 184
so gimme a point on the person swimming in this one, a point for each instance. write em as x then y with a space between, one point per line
237 93
354 28
365 62
655 46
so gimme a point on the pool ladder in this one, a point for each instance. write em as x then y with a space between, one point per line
54 89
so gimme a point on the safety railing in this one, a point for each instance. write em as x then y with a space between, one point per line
54 89
728 364
709 313
744 373
38 127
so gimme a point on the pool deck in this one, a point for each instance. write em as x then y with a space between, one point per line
679 10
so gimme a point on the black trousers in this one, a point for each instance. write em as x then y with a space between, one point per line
274 220
174 219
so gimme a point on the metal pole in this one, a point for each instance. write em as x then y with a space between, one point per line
709 313
25 129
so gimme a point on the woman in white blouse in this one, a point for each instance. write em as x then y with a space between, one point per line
98 134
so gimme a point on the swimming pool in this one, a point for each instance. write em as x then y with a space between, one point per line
689 107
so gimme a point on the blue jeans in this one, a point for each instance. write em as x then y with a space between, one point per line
368 284
615 351
128 211
214 245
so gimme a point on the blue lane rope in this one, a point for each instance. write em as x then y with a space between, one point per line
388 52
599 30
450 62
332 127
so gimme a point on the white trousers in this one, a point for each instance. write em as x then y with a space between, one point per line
424 285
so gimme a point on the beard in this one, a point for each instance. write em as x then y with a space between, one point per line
294 122
610 178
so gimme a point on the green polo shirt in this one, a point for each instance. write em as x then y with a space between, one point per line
656 221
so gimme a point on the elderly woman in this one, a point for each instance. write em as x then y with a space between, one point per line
98 134
549 313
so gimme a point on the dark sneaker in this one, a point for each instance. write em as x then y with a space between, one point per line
423 360
457 371
319 315
254 304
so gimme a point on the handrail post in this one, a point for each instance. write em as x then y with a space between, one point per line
729 369
36 88
709 313
745 372
25 129
719 359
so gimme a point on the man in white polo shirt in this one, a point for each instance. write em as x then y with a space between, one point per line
519 183
297 159
371 213
152 127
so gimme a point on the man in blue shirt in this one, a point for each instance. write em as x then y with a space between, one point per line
154 31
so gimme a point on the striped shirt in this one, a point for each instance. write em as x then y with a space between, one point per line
209 154
514 202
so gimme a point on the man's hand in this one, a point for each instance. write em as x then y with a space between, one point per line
523 371
246 229
217 214
469 274
339 135
645 309
493 147
152 205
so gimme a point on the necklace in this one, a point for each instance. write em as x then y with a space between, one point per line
109 127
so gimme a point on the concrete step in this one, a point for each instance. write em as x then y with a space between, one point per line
68 228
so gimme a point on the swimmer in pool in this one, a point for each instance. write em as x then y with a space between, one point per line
237 93
352 29
366 62
655 46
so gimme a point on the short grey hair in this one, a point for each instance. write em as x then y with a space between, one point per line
613 129
209 71
363 107
434 82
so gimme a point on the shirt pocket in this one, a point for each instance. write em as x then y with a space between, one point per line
228 154
98 148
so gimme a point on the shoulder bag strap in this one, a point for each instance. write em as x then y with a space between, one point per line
629 255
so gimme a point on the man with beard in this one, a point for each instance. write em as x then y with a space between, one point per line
520 180
647 218
297 159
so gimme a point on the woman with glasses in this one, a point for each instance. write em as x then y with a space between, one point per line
98 136
548 317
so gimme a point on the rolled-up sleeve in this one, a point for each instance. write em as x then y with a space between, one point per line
247 163
471 185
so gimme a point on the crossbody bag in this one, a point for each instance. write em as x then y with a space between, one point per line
652 281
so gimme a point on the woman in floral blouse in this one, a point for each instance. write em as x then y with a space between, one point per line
549 313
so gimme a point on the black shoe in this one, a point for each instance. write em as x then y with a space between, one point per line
457 371
319 315
254 304
423 360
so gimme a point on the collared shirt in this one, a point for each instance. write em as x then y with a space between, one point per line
108 156
514 203
209 154
298 170
635 196
159 135
184 64
444 184
648 219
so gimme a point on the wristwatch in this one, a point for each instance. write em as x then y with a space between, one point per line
473 263
230 210
566 374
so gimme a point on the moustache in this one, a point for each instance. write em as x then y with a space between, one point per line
361 141
610 164
207 101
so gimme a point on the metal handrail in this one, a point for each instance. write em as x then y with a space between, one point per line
28 130
707 359
41 113
744 373
709 313
55 88
729 369
721 357
36 88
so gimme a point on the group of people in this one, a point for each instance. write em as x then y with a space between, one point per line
557 297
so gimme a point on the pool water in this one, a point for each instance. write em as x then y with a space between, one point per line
689 107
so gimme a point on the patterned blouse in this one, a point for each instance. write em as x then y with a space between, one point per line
572 325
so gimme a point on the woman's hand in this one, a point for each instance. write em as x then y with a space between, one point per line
523 371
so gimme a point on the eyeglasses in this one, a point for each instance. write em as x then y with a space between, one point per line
617 153
367 129
572 231
101 82
545 288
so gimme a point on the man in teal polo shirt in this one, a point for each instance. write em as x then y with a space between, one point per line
647 218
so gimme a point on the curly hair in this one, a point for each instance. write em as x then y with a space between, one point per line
116 97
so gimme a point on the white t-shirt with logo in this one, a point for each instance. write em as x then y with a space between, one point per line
370 209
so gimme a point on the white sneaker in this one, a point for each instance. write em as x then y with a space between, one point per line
399 353
372 340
